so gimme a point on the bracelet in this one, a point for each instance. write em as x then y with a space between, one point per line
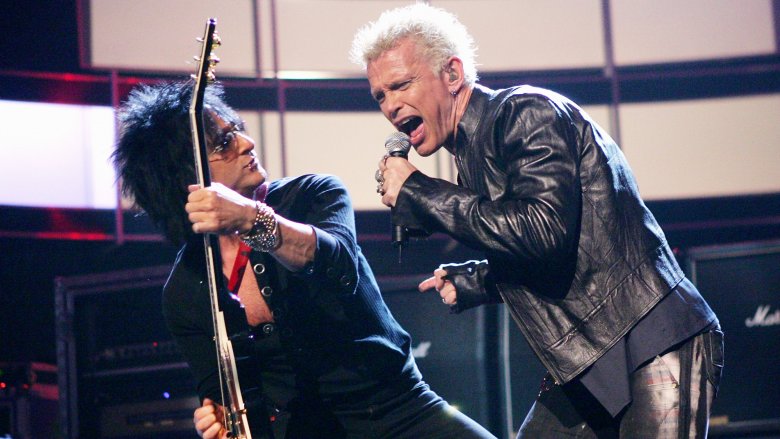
263 234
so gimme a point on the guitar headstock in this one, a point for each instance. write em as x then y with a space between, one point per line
207 49
207 63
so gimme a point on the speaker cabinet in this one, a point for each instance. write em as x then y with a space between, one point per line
741 282
477 360
450 349
120 373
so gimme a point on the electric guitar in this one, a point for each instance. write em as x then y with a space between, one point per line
235 416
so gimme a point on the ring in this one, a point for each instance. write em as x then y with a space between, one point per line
443 301
379 189
379 177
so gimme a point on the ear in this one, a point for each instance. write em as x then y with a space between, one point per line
454 74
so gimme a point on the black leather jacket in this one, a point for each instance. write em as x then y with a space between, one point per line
549 197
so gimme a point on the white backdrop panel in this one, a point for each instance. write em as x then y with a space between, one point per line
532 34
316 35
56 155
671 30
153 35
704 148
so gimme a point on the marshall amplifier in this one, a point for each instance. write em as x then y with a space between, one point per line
449 349
741 282
120 373
477 360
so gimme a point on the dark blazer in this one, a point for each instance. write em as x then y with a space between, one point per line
333 337
549 197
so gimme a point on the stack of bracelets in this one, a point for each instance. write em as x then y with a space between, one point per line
263 234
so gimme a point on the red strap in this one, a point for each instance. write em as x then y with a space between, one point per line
239 266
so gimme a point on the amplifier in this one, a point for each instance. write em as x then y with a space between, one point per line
28 400
121 374
741 282
149 419
449 349
477 360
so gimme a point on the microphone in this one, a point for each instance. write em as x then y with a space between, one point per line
398 144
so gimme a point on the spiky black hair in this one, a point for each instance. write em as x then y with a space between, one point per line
153 155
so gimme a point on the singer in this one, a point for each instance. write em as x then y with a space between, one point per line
630 346
318 353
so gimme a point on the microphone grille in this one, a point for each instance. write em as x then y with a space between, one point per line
398 142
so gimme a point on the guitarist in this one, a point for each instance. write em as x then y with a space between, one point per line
317 350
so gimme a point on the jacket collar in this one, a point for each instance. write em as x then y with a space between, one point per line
467 126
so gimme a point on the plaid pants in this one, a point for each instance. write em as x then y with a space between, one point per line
671 399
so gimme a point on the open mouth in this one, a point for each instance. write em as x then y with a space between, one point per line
410 125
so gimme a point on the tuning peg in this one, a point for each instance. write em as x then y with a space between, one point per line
213 60
216 41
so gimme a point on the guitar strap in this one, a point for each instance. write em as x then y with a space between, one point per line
239 266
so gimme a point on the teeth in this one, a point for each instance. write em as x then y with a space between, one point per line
404 126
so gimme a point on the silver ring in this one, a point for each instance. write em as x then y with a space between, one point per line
379 189
379 177
443 301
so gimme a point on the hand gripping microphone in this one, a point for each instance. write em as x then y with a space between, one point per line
398 145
